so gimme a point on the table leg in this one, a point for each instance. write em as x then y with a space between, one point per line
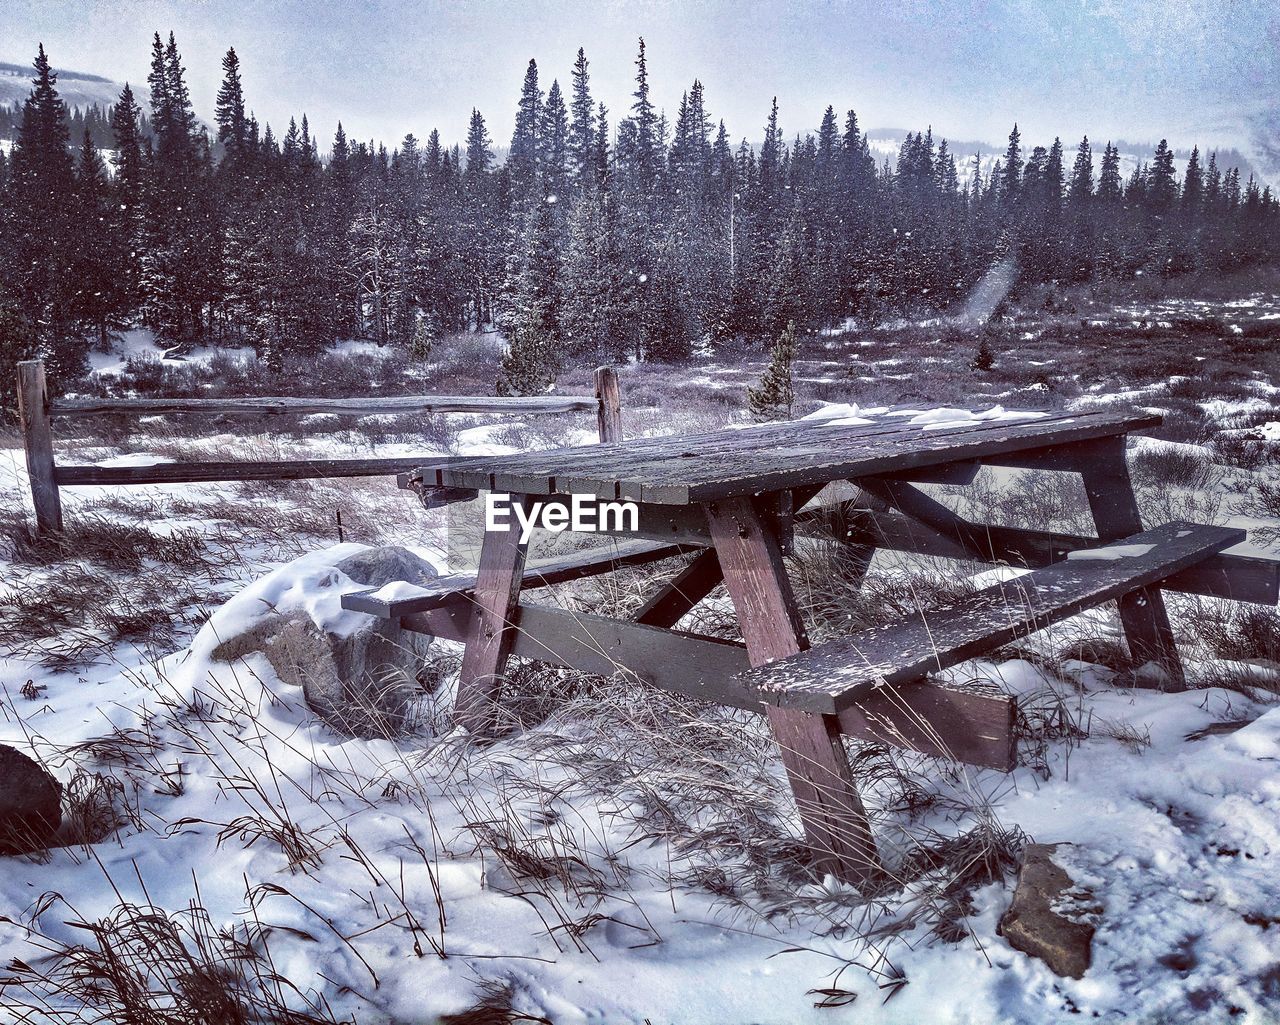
1115 513
831 810
496 594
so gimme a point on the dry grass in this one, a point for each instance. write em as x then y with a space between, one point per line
144 965
1239 632
596 788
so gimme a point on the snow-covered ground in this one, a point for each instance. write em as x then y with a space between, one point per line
595 867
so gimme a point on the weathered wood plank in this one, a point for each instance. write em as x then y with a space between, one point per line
644 476
458 587
191 473
945 722
495 594
799 466
956 474
689 664
727 463
1115 514
37 441
572 469
837 675
1251 578
831 810
1247 578
1065 458
961 724
360 406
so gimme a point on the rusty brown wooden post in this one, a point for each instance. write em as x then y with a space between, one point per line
37 439
1115 514
831 810
496 594
609 414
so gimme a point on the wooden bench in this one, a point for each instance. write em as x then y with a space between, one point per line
840 674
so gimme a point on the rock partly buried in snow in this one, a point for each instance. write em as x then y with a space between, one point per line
375 567
362 681
30 803
1041 921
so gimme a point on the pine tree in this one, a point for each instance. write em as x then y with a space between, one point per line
985 358
229 109
603 160
774 397
647 142
96 255
522 159
1162 186
1109 191
1054 183
42 230
182 252
534 349
1193 185
582 130
127 189
478 227
1212 184
1011 174
553 146
1080 191
656 247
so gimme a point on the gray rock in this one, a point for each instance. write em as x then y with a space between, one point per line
364 683
375 567
30 803
1047 916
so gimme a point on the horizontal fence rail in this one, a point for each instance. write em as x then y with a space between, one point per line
370 406
37 410
204 472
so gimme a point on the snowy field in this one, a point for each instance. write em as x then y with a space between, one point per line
625 855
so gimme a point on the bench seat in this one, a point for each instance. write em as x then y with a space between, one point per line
396 601
833 677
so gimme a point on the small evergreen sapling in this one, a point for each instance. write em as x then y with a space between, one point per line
984 359
775 396
529 366
426 333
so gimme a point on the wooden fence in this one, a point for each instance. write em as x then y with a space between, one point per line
37 412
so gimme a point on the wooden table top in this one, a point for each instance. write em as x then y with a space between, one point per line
688 469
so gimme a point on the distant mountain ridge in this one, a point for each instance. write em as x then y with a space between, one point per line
884 144
63 74
77 88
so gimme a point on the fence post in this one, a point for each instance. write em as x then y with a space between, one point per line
609 413
37 439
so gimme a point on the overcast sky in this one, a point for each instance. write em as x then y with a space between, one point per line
1196 72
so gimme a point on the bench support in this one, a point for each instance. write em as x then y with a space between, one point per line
1115 514
1102 466
831 810
496 595
680 594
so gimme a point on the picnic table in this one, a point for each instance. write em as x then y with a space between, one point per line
730 502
